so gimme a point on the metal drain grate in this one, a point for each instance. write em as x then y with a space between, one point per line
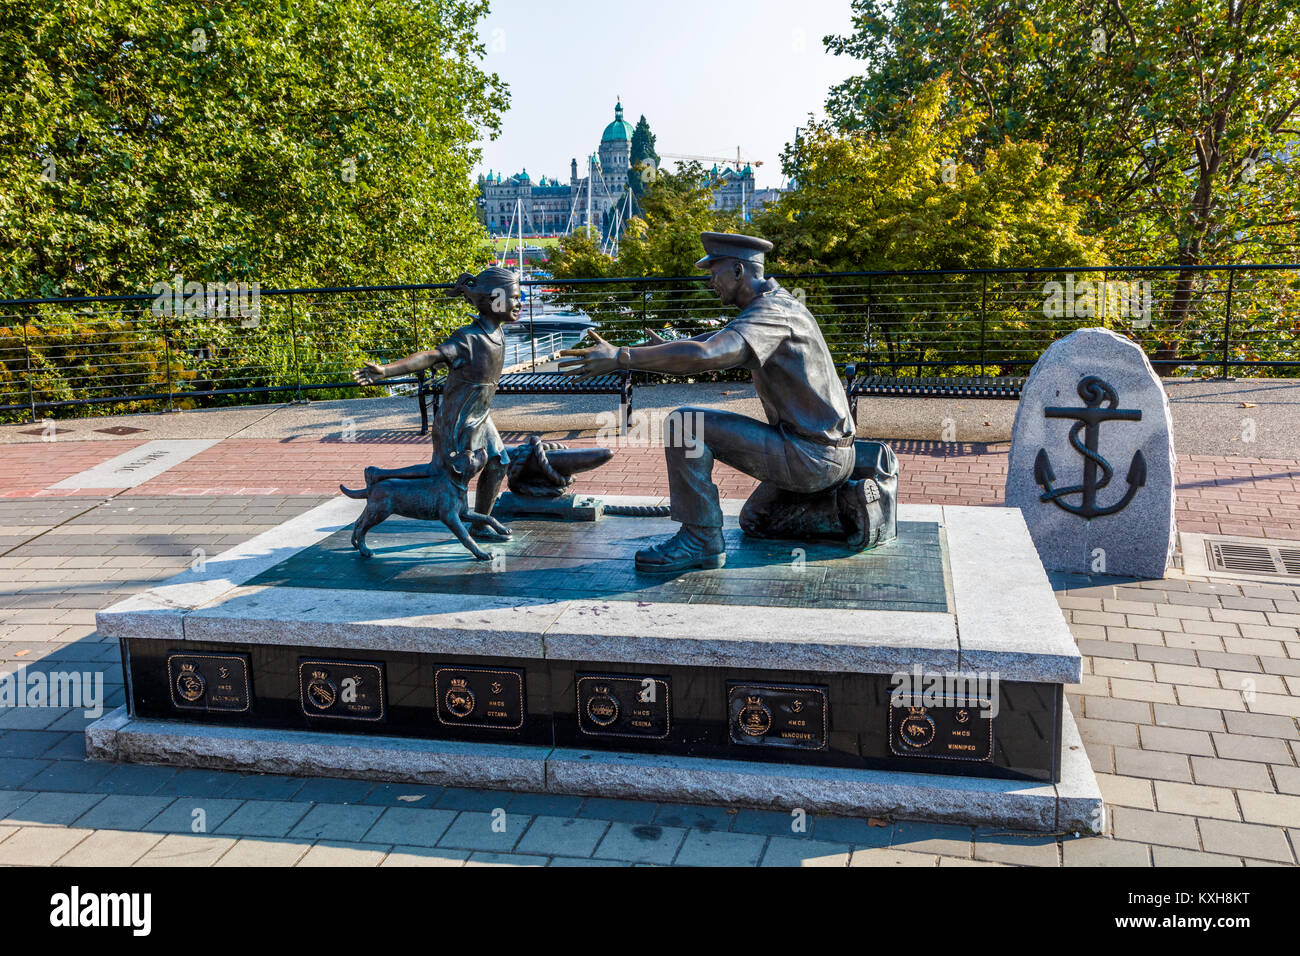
1241 558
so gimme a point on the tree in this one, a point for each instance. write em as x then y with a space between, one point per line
322 142
1175 122
644 160
907 200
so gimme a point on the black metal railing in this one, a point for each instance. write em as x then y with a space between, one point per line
126 353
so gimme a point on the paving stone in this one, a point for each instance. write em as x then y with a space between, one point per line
332 790
137 779
772 823
39 846
190 782
50 809
783 851
545 804
1172 856
1025 849
271 818
482 858
425 856
110 848
1210 698
410 795
335 821
1190 718
410 826
1261 749
123 812
1196 800
1288 778
1231 773
1167 655
622 811
562 836
1107 732
1126 791
640 843
193 815
858 832
1152 764
456 798
887 856
939 838
476 831
1168 829
69 776
1277 809
339 853
690 816
1127 711
265 786
261 851
720 848
1100 851
1177 740
1243 839
581 861
183 849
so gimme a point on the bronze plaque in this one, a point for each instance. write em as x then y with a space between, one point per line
623 705
480 697
348 690
952 732
209 681
777 715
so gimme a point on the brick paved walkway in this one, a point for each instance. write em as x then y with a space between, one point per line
1188 705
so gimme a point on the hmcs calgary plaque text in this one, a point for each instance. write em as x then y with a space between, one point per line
348 690
623 705
209 681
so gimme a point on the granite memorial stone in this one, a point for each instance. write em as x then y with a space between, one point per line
1092 458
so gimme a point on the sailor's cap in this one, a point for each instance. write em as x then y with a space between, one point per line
729 245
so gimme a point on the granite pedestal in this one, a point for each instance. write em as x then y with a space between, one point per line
556 667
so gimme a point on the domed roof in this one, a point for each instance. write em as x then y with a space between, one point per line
618 131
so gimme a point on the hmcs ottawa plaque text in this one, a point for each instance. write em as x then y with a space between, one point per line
491 698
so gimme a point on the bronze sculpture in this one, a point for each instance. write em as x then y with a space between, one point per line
812 480
473 356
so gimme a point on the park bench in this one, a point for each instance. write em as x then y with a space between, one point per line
429 390
855 386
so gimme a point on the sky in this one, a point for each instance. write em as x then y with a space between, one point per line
709 76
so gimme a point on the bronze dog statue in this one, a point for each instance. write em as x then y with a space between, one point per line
442 496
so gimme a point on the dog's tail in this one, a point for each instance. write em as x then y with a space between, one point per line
363 493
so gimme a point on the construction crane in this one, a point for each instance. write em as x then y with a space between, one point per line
714 159
721 159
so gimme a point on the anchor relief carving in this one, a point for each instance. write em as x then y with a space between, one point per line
1094 391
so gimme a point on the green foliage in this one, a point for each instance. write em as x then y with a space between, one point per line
1174 122
644 160
313 143
322 142
906 200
